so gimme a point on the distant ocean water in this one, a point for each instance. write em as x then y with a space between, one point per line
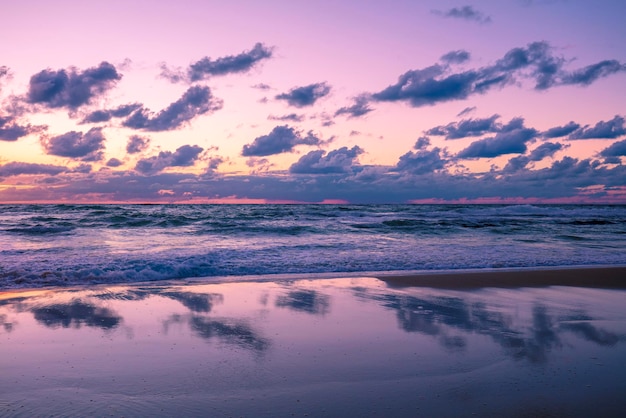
49 245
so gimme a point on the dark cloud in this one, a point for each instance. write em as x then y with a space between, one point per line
559 131
207 67
282 139
306 95
421 162
137 144
617 149
87 147
239 63
456 57
602 130
197 100
71 88
467 127
422 143
465 13
536 61
114 162
11 130
336 161
466 111
359 108
184 156
292 117
506 142
107 114
261 86
591 73
544 150
18 168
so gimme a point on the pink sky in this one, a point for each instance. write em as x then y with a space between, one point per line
282 101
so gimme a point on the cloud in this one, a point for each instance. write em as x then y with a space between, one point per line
544 150
467 127
465 13
422 143
602 130
86 147
114 162
184 156
358 109
456 57
281 139
71 88
197 100
536 61
421 162
547 149
230 64
591 73
507 142
306 95
292 117
617 149
136 144
107 114
336 161
559 131
18 168
466 111
11 130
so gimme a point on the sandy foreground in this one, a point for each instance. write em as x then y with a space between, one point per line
490 343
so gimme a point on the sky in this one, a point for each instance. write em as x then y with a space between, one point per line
199 101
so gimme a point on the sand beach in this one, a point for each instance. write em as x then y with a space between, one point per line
549 342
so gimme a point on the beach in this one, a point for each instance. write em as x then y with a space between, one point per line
519 342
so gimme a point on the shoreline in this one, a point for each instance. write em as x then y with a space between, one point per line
593 276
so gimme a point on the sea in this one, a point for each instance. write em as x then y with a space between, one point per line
69 245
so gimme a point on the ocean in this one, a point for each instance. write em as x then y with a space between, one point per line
66 245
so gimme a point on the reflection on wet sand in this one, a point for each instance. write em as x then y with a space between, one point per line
318 347
437 317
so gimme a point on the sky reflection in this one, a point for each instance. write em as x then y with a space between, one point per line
336 344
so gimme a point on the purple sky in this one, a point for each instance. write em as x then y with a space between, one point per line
288 101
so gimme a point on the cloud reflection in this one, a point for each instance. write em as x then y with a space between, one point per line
75 314
309 301
440 316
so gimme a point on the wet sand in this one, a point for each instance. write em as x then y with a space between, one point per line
601 277
520 343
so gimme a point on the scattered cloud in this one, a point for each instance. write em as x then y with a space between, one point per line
511 141
610 129
86 147
19 168
560 131
318 162
467 127
11 130
617 149
359 108
281 139
197 100
456 57
466 111
422 143
292 117
106 115
536 61
136 144
114 162
422 161
71 88
230 64
306 95
466 13
184 156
